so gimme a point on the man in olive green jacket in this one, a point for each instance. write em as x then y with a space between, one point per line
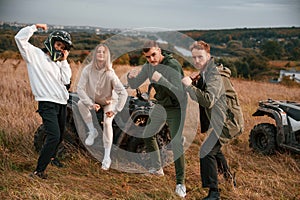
209 92
165 74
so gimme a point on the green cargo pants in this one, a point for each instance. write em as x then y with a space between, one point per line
175 118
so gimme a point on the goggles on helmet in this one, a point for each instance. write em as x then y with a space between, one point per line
62 36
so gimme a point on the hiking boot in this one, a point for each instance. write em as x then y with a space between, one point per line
106 164
180 190
91 136
212 195
41 175
159 172
56 162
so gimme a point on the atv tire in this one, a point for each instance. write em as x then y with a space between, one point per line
137 145
262 138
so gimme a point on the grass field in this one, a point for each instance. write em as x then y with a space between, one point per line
275 177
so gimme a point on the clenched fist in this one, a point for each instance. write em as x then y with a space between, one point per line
156 76
133 73
187 81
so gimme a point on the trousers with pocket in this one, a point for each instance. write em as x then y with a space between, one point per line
175 118
210 155
54 120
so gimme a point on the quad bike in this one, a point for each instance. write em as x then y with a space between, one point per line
265 138
127 137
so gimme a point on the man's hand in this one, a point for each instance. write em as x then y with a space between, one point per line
195 76
187 81
133 73
42 26
156 76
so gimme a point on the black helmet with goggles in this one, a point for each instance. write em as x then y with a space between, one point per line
62 36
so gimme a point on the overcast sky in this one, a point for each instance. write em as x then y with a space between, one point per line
170 14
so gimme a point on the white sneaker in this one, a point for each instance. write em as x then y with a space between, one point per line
159 172
89 141
180 190
106 164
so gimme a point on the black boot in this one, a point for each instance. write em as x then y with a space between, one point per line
41 175
213 195
56 162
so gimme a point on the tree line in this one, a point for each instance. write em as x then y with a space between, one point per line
246 52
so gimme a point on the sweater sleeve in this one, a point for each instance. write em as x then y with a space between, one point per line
139 79
22 40
66 72
81 88
121 92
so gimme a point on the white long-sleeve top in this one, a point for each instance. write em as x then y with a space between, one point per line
98 86
47 78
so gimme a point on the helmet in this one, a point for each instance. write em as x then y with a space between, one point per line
62 36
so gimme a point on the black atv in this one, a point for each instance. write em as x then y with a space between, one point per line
126 127
265 138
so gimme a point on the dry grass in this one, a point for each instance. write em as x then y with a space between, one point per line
258 177
283 64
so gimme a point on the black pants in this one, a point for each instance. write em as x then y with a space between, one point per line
54 120
222 163
209 164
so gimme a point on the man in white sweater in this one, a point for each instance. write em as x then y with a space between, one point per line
49 73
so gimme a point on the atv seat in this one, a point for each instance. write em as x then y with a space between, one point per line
292 110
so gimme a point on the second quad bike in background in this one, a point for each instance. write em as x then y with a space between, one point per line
266 138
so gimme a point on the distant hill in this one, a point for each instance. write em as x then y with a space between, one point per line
250 53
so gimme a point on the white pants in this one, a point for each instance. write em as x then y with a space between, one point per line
107 121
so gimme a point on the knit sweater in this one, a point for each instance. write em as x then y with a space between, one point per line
47 78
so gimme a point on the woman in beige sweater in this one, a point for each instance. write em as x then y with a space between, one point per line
98 87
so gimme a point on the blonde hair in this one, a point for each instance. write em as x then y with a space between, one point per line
108 63
200 45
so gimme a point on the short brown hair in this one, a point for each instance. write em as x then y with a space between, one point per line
200 45
149 44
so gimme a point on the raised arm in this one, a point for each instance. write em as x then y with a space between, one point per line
22 38
135 78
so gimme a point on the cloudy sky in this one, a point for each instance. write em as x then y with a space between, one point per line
170 14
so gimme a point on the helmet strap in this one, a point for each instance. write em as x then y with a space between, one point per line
56 55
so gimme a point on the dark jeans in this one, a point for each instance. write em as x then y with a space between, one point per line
209 163
222 163
54 120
